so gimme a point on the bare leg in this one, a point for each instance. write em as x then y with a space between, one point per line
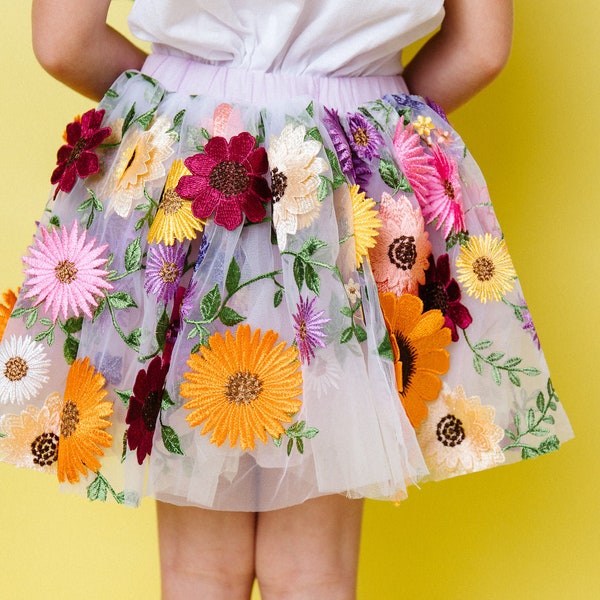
309 550
205 554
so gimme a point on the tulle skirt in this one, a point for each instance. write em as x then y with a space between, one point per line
252 289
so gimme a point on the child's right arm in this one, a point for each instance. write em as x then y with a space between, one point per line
73 43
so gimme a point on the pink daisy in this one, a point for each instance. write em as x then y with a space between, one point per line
309 329
64 272
401 253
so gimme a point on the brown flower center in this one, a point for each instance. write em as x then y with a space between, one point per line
302 330
408 357
484 268
78 149
170 202
15 368
449 189
169 272
65 271
45 449
402 252
150 409
450 431
278 184
229 177
361 137
69 419
243 387
434 295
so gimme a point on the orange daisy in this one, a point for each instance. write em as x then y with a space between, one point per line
9 298
82 422
418 339
243 387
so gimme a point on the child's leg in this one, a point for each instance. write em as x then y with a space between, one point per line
309 550
205 553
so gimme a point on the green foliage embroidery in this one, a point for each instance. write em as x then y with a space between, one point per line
93 204
297 432
462 238
99 488
392 177
353 329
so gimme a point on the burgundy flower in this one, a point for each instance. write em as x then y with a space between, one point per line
76 158
226 180
441 291
144 407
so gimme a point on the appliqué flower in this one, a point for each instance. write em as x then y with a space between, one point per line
459 435
352 290
528 323
485 268
243 387
325 375
7 303
64 272
365 140
308 325
340 141
31 438
441 291
295 169
23 369
76 158
401 253
418 341
366 222
144 407
164 269
227 180
423 125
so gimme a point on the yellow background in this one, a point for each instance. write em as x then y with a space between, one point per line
525 531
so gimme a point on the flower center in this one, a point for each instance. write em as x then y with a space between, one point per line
229 177
434 295
243 387
150 409
170 202
65 271
361 137
302 330
169 272
15 368
408 356
484 268
78 148
450 431
278 184
69 419
449 189
45 449
402 252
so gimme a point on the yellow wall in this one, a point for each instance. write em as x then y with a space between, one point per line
526 531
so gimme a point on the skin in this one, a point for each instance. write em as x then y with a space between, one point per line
217 555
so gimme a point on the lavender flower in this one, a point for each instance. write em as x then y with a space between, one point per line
309 329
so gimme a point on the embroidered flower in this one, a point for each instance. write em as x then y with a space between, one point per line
485 268
82 422
110 366
140 162
189 300
418 339
437 108
352 290
441 291
226 180
366 223
400 256
164 269
325 375
64 272
7 303
308 325
340 141
201 252
31 438
365 140
459 435
174 219
243 387
144 406
23 369
295 169
423 125
76 158
528 323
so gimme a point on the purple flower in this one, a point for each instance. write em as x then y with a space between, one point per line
309 329
187 304
438 109
201 252
110 366
164 270
340 141
365 140
400 101
528 323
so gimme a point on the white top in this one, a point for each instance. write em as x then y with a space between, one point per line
312 37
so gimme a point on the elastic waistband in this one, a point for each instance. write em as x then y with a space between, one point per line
192 76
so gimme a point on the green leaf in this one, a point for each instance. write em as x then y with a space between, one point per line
495 356
512 362
510 435
205 133
539 431
551 392
310 109
314 134
298 270
389 173
528 452
540 402
209 305
549 445
514 378
162 327
54 221
483 345
278 297
346 335
346 311
300 445
477 364
496 375
323 190
310 433
149 79
360 333
552 405
128 119
73 325
171 440
133 255
230 317
124 447
19 312
110 93
166 402
120 498
517 420
405 185
290 446
125 396
531 371
310 246
548 419
46 322
70 349
232 280
313 281
145 119
121 300
31 318
97 490
385 348
278 441
133 339
99 309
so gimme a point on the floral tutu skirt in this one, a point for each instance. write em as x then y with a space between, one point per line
251 289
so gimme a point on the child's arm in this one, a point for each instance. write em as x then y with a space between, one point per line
72 41
467 53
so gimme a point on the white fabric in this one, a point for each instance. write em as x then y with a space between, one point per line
312 37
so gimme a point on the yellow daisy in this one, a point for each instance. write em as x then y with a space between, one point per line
174 219
366 223
7 303
243 386
485 268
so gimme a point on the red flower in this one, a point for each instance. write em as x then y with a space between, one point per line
226 180
144 407
442 292
75 158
